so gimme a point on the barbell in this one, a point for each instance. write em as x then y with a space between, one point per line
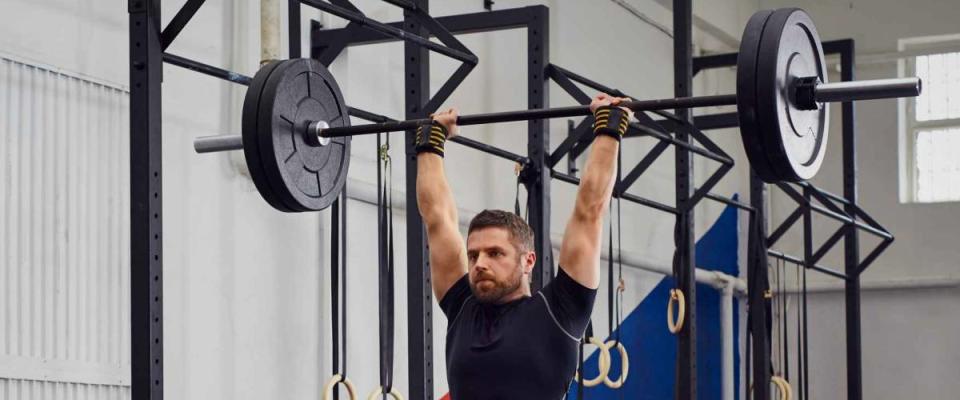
296 131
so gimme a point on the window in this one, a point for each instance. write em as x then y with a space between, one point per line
931 124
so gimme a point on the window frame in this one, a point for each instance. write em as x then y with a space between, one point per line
909 127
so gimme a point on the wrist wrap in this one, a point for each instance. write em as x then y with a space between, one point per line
611 121
430 137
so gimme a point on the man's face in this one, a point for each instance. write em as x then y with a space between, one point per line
497 269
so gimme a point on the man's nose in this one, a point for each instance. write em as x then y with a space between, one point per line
481 264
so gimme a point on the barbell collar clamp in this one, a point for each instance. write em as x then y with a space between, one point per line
313 135
804 92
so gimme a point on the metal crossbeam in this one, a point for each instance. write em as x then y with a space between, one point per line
816 267
179 21
390 30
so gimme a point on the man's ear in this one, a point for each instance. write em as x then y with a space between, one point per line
529 260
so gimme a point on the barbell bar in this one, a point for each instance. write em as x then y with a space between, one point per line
824 92
296 129
821 93
209 144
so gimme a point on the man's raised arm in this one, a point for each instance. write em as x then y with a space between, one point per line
580 251
448 259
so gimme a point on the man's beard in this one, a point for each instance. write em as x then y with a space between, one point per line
499 290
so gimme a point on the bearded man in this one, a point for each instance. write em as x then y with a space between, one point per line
504 342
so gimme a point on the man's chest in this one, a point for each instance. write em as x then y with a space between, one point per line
521 342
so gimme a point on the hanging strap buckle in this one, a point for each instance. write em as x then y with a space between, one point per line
384 152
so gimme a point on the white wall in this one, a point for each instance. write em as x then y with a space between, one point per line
64 231
246 287
901 329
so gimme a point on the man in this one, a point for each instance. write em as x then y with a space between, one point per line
502 341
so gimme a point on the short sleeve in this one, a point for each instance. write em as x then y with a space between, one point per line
453 300
570 302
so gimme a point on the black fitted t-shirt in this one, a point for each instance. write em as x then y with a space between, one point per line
524 349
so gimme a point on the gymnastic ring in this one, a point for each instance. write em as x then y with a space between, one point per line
604 363
783 387
676 296
379 392
328 388
624 366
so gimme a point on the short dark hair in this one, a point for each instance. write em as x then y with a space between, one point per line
520 232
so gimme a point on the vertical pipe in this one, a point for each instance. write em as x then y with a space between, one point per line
419 293
269 30
146 195
757 286
538 144
684 265
727 338
851 246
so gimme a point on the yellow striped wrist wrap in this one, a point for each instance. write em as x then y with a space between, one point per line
430 137
611 121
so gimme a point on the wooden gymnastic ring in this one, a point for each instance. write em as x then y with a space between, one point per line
676 296
604 363
379 392
783 387
624 366
328 388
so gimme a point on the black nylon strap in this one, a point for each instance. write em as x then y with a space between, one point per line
620 289
800 374
759 251
335 286
619 295
343 275
338 287
610 275
785 317
386 264
805 388
516 200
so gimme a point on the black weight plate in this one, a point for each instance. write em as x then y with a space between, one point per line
794 139
747 98
251 149
304 177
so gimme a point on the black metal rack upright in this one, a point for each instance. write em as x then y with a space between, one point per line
684 258
147 54
146 197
